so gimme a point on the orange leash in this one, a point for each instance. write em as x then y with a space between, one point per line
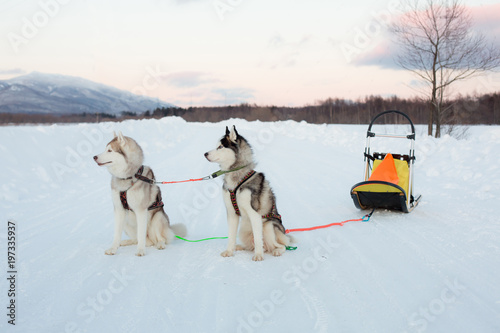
212 176
182 181
365 218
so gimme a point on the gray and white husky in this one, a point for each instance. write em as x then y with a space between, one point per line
248 195
137 201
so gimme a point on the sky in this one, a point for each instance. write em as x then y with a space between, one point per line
222 52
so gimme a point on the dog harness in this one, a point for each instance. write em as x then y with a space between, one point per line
232 194
123 195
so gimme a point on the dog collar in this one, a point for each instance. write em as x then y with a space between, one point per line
139 176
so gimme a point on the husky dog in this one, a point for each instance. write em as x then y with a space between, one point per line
247 194
136 199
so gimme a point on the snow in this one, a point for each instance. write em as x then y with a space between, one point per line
433 270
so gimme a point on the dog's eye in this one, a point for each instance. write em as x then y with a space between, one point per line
109 150
220 147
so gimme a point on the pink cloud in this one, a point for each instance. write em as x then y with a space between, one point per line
487 19
381 55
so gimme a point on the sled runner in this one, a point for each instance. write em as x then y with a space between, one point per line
388 177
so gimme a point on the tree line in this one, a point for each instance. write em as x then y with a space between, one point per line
462 110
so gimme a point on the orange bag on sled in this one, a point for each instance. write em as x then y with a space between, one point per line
388 177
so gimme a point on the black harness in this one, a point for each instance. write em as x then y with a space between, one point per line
123 195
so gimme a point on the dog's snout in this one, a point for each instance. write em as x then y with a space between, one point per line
206 154
95 158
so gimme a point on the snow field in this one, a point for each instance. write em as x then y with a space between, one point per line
433 270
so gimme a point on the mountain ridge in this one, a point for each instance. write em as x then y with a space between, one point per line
62 94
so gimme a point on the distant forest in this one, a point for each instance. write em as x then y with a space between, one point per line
463 110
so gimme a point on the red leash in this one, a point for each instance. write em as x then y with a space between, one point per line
365 218
212 176
182 181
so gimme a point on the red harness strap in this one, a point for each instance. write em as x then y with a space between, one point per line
123 195
273 215
123 199
232 194
157 204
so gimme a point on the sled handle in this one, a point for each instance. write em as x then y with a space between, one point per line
411 136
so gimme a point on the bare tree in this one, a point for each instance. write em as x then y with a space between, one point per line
438 44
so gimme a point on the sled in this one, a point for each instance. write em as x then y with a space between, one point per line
388 178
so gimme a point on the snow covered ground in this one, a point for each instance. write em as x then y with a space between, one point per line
436 269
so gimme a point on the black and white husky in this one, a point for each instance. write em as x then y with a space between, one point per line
248 195
137 200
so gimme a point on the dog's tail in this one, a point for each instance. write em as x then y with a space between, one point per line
179 229
285 239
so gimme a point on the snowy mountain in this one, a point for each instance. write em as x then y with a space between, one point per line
435 270
60 94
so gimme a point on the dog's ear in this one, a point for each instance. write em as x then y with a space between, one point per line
227 131
233 136
121 138
114 134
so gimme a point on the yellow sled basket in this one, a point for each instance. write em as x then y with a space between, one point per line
388 177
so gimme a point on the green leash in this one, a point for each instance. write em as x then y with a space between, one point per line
289 248
199 240
221 172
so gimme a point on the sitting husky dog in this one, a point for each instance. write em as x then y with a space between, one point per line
136 199
247 194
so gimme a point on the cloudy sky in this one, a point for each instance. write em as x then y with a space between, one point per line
220 52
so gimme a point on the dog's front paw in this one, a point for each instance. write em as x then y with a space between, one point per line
227 253
258 257
140 252
160 245
110 251
277 252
